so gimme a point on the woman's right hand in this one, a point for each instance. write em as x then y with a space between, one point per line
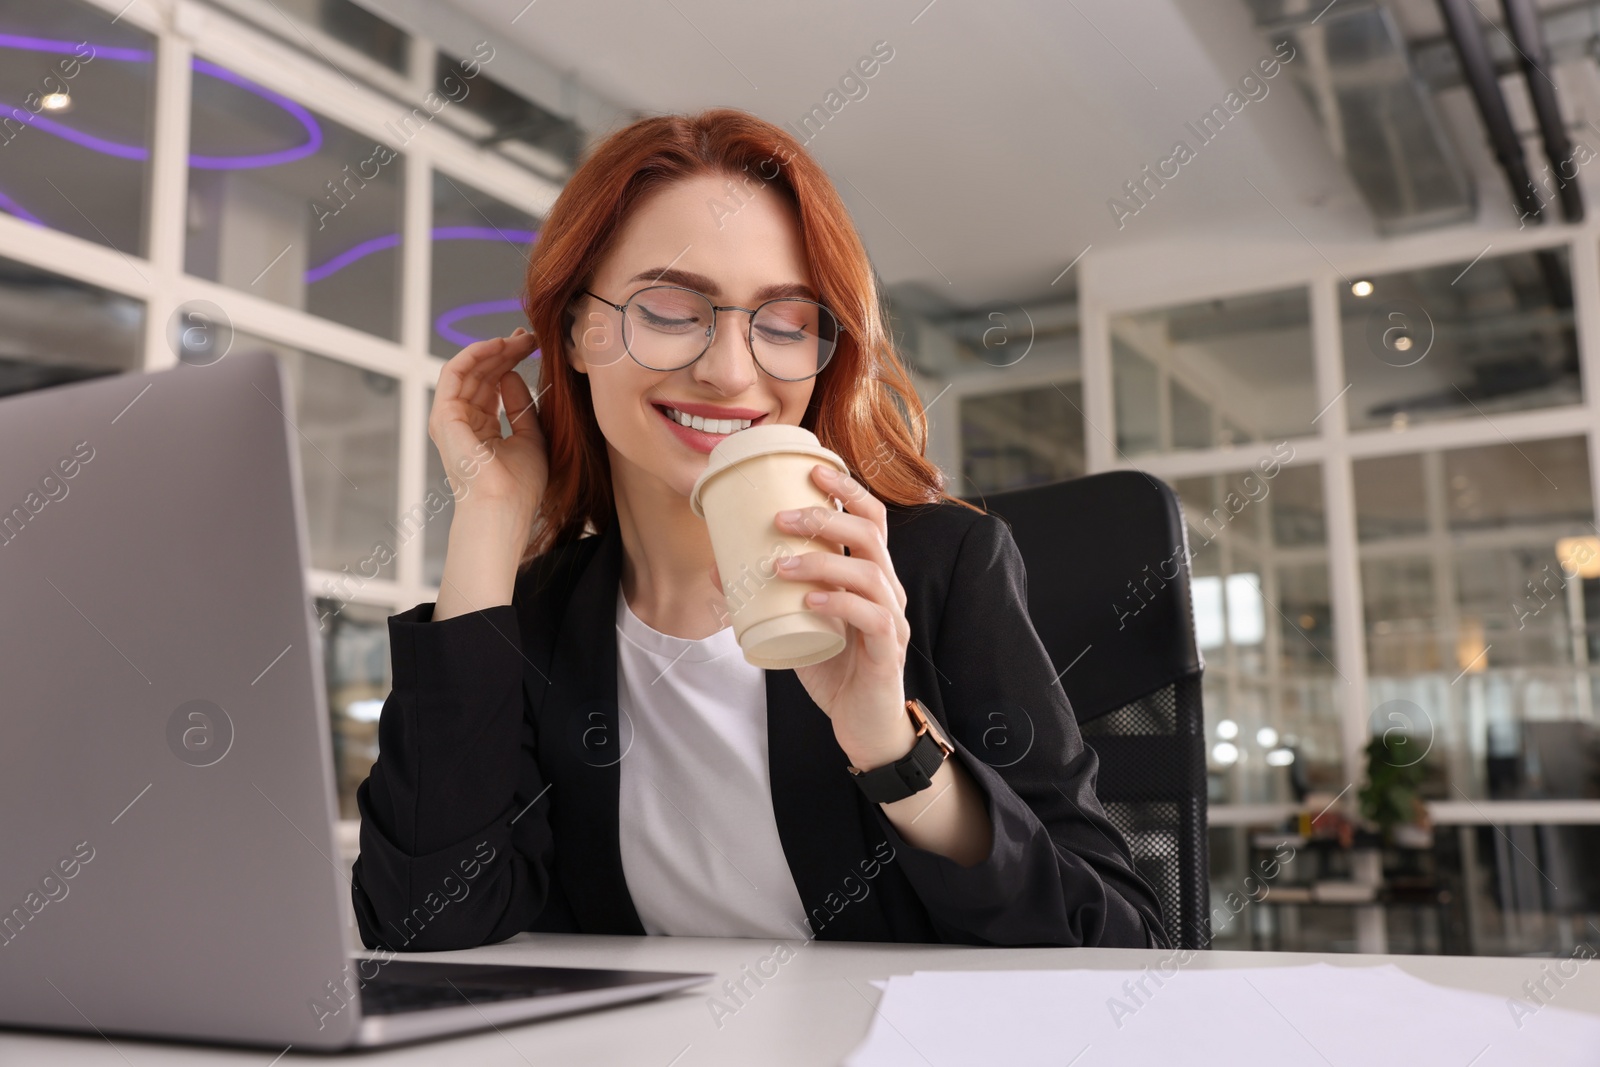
508 473
498 481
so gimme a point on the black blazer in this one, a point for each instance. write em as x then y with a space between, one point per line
492 807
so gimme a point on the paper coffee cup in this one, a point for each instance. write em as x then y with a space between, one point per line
752 475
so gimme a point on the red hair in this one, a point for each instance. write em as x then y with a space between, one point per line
864 407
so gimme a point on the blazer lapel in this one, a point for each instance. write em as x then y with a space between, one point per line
583 740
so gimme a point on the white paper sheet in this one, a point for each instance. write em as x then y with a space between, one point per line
1319 1015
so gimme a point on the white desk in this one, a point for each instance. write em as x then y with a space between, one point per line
814 1011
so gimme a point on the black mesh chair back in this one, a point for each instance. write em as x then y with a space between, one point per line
1108 592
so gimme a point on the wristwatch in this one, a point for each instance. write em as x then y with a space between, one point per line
912 773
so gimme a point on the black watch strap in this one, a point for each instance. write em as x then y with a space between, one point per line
913 772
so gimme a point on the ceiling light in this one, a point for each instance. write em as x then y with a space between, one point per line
1361 288
1280 757
1225 753
1227 729
1580 554
55 101
1266 737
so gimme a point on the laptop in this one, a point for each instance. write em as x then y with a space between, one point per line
168 865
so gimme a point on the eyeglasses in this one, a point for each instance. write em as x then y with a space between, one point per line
668 327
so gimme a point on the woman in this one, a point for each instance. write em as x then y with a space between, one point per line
574 741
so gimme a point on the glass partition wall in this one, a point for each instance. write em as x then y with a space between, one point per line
1421 568
223 178
1421 575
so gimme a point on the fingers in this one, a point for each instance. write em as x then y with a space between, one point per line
487 360
518 403
857 500
481 364
469 384
861 576
864 538
513 350
876 622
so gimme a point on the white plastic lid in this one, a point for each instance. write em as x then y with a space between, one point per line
759 441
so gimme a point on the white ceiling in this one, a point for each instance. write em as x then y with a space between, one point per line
983 157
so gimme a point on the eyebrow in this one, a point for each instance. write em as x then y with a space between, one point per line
689 279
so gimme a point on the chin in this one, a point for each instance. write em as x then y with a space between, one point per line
682 480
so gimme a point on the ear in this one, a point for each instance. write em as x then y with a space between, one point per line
574 356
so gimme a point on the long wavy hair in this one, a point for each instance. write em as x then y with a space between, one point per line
864 407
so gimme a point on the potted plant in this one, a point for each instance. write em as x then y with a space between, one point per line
1391 799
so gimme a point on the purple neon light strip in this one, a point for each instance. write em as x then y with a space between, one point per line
440 233
350 255
78 137
265 159
484 233
445 324
118 150
313 142
45 44
11 206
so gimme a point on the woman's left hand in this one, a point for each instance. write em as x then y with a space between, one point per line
862 689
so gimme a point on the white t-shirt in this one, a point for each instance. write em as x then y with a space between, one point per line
699 842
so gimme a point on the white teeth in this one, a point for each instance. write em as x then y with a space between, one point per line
705 425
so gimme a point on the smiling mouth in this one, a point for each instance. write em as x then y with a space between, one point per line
714 427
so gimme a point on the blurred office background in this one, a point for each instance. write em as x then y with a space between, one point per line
1358 345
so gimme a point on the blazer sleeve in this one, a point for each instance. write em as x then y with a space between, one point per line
455 851
1059 873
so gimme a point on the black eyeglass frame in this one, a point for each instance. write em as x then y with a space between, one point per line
711 335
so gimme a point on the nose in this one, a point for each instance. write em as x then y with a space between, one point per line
728 366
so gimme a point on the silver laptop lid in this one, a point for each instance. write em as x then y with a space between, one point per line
166 779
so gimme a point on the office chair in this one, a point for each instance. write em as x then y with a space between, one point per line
1108 593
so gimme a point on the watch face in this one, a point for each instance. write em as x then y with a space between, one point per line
924 720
